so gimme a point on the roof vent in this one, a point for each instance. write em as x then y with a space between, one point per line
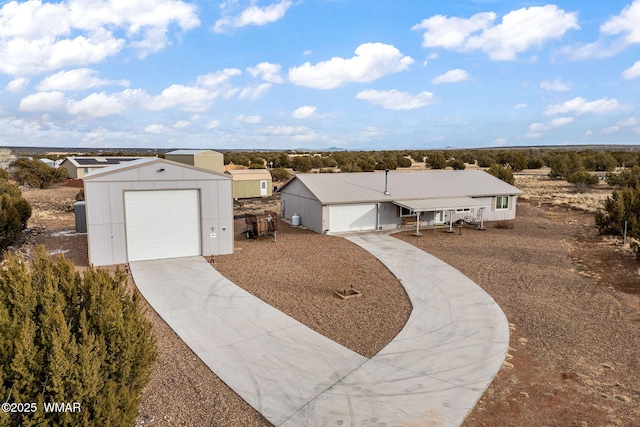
386 182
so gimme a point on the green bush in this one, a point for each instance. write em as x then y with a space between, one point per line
36 174
503 173
80 195
436 160
625 178
485 161
67 337
301 164
564 164
14 213
583 180
457 164
623 205
280 174
535 163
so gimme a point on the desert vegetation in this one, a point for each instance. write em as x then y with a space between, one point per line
71 337
14 211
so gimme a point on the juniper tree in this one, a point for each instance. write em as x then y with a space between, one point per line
71 337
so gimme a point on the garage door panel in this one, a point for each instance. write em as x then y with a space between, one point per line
162 224
353 217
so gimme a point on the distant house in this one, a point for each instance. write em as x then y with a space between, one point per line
333 203
78 167
203 159
249 183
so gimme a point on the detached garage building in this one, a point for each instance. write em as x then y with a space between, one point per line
203 159
154 208
342 202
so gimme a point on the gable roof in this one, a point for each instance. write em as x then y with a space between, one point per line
190 152
340 188
144 162
249 174
98 161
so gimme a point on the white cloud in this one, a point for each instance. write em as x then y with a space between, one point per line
631 121
254 92
588 133
304 112
102 104
156 128
500 142
269 72
213 124
252 15
557 85
36 36
580 105
252 120
519 31
532 135
283 130
182 124
17 85
633 72
539 127
627 24
78 79
371 61
42 101
188 98
521 106
451 76
611 129
396 100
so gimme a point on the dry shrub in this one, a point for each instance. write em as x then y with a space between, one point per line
505 225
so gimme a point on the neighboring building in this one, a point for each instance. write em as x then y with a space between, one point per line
333 203
203 159
251 183
153 208
78 167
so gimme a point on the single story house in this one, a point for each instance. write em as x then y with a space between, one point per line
249 183
78 167
153 208
340 202
203 159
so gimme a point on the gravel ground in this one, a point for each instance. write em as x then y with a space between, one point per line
572 298
574 341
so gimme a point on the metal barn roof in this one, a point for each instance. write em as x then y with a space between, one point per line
249 174
190 152
340 188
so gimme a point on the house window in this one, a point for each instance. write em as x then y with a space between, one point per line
464 210
406 211
502 202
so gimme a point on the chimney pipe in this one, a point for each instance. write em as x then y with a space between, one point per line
386 182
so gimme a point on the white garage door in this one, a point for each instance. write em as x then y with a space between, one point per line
162 224
353 217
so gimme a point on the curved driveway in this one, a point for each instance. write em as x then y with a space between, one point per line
431 374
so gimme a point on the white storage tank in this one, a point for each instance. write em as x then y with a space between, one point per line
295 220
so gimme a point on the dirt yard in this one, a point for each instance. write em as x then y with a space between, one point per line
572 298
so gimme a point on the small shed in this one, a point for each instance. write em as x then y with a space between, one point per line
78 167
154 208
249 183
203 159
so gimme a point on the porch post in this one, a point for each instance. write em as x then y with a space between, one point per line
417 223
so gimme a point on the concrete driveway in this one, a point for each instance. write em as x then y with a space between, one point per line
432 373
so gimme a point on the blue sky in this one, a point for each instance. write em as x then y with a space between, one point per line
285 74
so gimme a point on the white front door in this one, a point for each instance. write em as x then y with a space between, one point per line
263 188
162 224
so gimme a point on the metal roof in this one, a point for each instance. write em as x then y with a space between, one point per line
340 188
98 161
427 205
190 152
249 174
141 162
